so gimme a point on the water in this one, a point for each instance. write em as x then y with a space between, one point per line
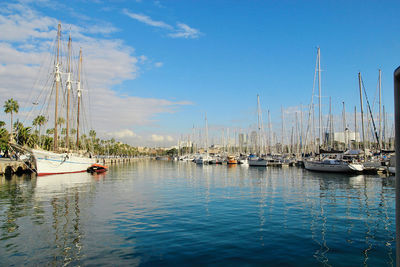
156 213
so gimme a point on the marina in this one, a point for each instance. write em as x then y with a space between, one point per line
191 133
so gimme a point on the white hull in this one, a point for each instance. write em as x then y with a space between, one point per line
244 162
58 163
258 162
332 166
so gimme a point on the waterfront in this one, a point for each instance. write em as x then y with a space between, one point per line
178 214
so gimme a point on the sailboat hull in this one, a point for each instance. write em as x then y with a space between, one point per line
257 162
332 167
48 163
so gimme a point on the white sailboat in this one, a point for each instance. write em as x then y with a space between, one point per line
257 161
332 165
328 164
204 158
46 162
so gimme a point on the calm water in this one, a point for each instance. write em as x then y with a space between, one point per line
154 213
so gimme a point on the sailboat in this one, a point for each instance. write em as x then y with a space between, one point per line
57 162
258 160
328 164
204 158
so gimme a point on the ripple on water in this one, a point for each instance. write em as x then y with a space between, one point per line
154 213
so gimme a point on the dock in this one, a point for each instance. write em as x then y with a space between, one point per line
10 166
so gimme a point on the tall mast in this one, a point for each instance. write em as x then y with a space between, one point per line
330 124
259 121
296 127
362 112
79 98
384 128
57 80
206 133
282 133
380 109
68 90
269 133
355 126
319 100
344 126
301 129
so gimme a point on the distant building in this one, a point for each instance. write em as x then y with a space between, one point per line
253 139
348 136
243 140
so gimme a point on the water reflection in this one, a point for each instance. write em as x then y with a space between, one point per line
177 213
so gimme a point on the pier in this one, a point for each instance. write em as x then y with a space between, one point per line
9 166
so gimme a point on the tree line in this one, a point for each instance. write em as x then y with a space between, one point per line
36 137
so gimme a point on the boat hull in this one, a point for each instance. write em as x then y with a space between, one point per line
327 167
258 162
48 163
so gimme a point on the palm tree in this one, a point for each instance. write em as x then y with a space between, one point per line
24 136
50 131
39 121
60 122
2 123
11 106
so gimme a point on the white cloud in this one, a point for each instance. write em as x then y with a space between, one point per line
147 20
122 133
182 30
158 64
142 58
157 138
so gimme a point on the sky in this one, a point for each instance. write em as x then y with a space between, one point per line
154 68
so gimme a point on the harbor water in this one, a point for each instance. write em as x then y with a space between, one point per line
163 213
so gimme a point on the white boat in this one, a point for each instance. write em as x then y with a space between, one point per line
257 162
203 160
48 163
332 165
57 162
244 162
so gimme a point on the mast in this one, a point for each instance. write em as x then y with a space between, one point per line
380 109
259 121
269 133
355 126
282 131
68 90
330 124
384 128
297 135
206 134
79 98
301 129
345 133
319 100
362 112
57 80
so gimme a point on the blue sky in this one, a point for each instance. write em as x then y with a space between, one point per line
216 56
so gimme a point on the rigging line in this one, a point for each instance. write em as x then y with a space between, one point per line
30 97
88 96
372 117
